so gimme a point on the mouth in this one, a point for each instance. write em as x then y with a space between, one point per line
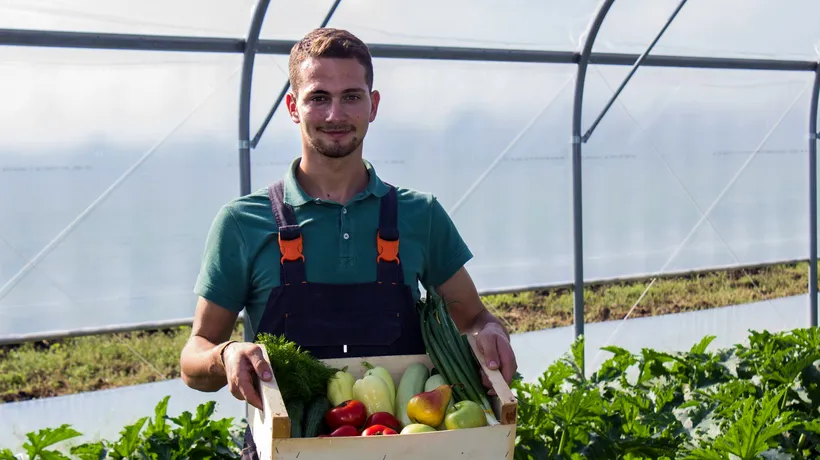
336 132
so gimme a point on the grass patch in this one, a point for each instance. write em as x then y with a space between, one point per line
42 369
529 311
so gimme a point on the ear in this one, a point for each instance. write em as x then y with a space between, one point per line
375 97
290 102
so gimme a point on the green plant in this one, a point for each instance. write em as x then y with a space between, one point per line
299 375
745 402
755 401
187 436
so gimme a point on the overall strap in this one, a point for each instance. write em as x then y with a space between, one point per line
387 240
292 263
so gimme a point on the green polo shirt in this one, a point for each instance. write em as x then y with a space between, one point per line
240 265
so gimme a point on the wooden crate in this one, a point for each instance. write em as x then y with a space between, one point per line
271 427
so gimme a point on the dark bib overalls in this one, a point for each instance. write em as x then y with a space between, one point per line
341 320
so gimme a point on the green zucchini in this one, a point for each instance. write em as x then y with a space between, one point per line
315 415
410 384
296 413
434 381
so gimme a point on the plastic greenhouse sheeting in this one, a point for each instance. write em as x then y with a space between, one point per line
513 24
115 162
216 18
716 28
115 167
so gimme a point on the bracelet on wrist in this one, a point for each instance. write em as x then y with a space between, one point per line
222 352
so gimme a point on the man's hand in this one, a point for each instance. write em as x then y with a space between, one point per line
244 363
209 360
493 343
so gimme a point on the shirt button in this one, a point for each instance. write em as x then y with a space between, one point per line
346 236
344 210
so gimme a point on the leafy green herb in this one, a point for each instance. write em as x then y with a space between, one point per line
299 375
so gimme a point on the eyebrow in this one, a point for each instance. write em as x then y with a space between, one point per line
324 92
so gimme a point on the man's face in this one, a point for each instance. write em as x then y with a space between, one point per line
333 106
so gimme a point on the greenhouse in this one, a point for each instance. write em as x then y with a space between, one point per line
656 310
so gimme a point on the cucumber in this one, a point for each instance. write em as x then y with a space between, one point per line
296 412
410 384
315 415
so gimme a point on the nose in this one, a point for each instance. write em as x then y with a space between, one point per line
335 112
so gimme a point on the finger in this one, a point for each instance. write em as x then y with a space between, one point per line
248 389
233 386
260 366
509 364
488 346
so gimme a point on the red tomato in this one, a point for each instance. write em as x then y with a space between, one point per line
350 412
383 418
345 430
378 430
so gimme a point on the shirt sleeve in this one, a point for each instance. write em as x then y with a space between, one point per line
447 250
223 276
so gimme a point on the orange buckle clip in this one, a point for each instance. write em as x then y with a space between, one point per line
388 250
291 249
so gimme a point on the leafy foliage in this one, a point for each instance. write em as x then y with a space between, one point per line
300 376
188 436
755 401
745 402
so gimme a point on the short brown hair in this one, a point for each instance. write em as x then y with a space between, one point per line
328 42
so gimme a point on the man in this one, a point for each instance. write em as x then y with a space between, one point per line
330 256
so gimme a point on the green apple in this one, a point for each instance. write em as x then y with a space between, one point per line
465 414
417 428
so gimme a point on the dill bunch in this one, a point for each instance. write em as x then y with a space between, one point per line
299 375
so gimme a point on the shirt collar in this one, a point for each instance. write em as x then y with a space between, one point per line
295 195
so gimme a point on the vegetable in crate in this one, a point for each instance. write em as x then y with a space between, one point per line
315 415
344 430
296 414
411 383
383 374
350 412
374 393
340 387
450 353
378 430
383 418
298 374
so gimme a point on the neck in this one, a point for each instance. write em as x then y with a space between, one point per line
335 179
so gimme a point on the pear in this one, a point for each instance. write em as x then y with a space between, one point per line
430 407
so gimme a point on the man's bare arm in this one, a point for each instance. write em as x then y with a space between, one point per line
199 360
468 311
240 364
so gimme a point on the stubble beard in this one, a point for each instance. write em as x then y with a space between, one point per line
332 149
